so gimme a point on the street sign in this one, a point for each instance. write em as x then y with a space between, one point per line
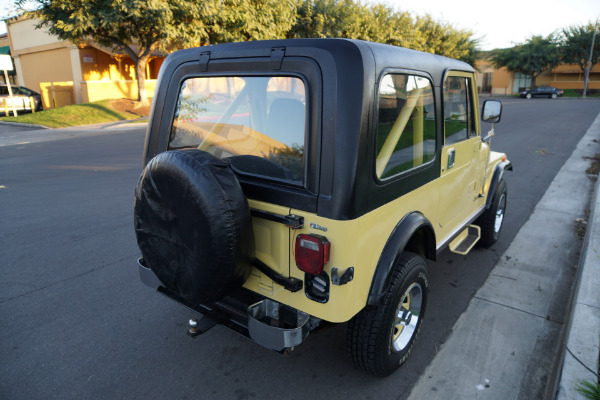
6 62
7 65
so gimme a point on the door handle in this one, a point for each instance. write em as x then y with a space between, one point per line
451 158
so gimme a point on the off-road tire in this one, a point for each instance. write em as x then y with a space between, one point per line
491 221
370 335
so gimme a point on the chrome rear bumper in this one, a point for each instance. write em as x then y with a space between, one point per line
266 322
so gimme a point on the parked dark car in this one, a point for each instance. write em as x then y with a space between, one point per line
542 91
22 99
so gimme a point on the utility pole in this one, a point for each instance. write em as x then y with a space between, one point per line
589 63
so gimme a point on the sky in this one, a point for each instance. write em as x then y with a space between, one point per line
504 23
498 23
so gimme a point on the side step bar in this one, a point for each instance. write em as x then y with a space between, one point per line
465 241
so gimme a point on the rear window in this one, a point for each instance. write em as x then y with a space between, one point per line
256 123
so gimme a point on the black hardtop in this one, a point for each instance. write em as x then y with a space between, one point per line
385 56
343 76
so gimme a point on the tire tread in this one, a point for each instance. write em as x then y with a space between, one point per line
367 331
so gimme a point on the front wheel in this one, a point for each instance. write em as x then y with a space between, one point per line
528 95
380 338
492 219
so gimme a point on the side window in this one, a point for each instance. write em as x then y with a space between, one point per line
406 125
256 123
458 110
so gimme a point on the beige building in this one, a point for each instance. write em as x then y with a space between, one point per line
503 82
67 73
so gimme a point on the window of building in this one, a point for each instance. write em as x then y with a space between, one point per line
521 82
486 86
406 124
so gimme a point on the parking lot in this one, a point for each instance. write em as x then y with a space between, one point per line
78 323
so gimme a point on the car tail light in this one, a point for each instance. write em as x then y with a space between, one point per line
312 253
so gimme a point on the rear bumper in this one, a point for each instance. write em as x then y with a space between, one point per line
270 324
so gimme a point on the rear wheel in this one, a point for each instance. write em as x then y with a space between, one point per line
380 338
554 95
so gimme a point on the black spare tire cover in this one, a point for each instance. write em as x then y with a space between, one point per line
193 225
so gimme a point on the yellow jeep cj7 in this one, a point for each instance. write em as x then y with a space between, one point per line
293 183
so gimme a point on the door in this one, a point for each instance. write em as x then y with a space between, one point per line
462 170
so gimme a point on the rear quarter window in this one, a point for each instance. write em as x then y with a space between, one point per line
406 136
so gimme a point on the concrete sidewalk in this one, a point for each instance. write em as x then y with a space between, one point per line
581 355
508 344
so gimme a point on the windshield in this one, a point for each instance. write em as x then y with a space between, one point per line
257 123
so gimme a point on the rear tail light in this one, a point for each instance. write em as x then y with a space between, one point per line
312 253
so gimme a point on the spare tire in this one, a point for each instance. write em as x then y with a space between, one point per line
193 225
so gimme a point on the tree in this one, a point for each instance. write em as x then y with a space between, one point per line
322 18
575 46
536 55
380 23
442 39
138 27
242 20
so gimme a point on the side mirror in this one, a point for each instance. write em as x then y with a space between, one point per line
492 111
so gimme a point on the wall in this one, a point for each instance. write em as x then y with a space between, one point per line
572 77
45 66
104 89
501 78
38 56
98 65
65 73
23 35
57 94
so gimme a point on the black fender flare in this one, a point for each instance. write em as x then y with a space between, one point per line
395 245
498 172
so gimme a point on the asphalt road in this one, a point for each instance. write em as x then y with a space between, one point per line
77 322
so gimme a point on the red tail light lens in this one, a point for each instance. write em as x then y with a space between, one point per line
312 253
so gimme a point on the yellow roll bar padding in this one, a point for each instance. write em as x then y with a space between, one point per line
418 134
383 158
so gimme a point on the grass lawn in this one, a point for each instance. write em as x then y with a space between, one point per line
84 114
579 92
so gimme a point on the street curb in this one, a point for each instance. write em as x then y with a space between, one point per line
102 125
25 125
559 369
571 368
